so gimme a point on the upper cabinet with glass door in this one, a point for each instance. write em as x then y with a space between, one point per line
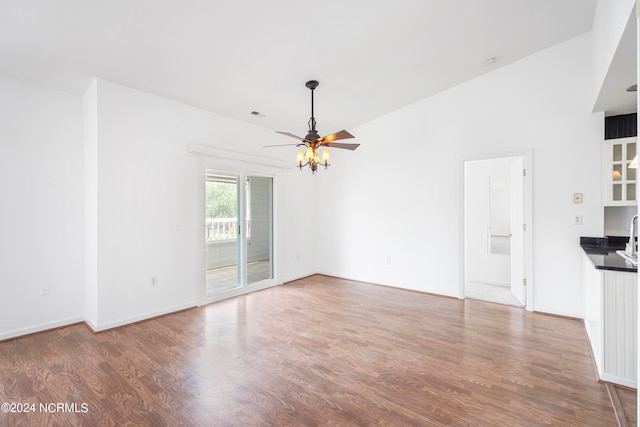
620 179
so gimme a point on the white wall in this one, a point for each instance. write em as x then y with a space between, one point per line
149 201
609 22
399 196
298 192
41 231
100 194
617 220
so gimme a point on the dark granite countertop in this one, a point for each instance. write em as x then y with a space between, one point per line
602 252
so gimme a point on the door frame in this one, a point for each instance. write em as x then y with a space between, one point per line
527 157
242 170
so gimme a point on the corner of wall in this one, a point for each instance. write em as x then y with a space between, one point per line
90 143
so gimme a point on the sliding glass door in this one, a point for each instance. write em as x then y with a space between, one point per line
239 232
259 228
222 231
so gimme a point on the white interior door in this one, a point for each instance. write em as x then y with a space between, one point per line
517 230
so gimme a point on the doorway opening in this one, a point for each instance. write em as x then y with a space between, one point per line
239 232
495 212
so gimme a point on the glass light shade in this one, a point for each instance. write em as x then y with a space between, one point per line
326 158
300 157
309 153
634 163
617 176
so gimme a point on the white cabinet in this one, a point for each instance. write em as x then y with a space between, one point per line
620 179
611 322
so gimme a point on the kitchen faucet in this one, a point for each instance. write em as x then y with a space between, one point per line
631 249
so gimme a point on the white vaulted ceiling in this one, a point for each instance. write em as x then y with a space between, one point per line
233 57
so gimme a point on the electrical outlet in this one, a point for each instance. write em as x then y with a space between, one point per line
388 260
577 219
154 281
44 289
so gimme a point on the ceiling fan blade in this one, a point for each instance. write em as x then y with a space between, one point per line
343 134
281 145
291 135
341 145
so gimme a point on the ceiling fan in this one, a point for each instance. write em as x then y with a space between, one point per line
313 141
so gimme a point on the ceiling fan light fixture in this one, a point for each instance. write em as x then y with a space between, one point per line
313 141
326 158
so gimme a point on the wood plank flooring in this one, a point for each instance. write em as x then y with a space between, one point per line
316 352
629 400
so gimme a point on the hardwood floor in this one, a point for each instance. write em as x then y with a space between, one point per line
629 401
316 352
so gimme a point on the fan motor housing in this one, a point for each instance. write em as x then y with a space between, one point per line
312 135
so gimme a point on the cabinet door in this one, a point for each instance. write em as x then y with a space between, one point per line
620 179
620 328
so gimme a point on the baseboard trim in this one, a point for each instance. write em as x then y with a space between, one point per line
561 316
618 381
400 288
140 318
294 278
51 326
41 328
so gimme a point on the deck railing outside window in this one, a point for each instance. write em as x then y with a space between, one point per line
222 229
